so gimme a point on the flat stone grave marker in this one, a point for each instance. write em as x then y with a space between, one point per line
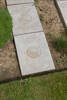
12 2
33 53
62 4
25 19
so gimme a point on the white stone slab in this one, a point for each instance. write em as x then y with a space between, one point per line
63 8
12 2
33 53
25 19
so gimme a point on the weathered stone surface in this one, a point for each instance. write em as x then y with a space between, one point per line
33 53
12 2
62 4
25 19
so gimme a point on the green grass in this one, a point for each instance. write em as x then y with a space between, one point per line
5 27
61 45
46 87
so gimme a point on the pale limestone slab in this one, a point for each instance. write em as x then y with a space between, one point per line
33 53
63 8
12 2
25 19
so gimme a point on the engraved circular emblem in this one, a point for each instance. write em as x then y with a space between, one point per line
33 52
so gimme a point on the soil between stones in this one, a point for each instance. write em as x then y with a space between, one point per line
8 62
2 4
